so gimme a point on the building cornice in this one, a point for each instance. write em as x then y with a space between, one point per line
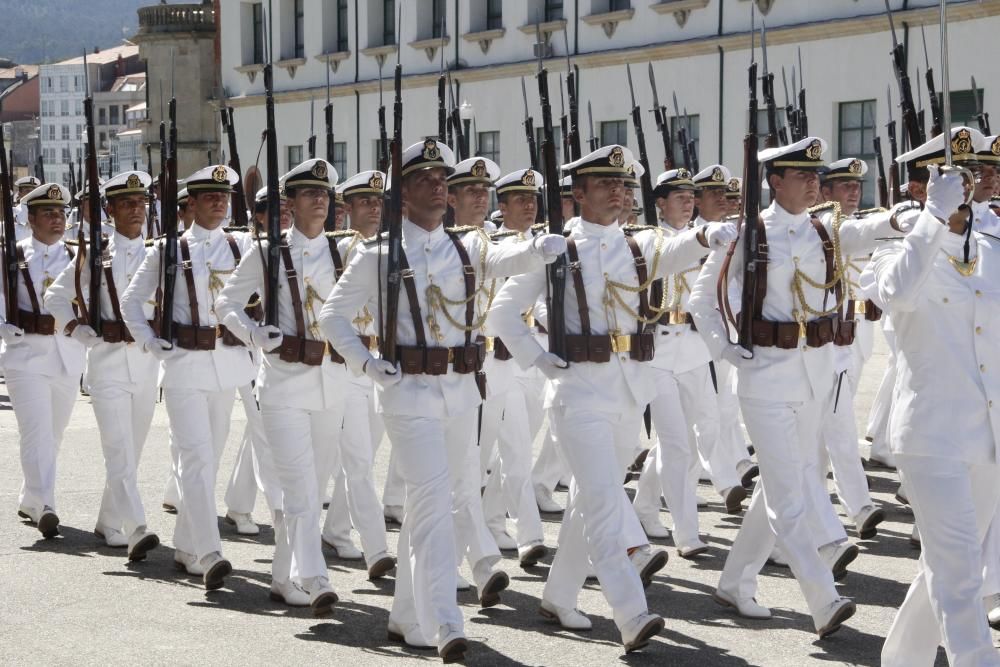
793 34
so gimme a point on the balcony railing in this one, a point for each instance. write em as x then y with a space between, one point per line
176 18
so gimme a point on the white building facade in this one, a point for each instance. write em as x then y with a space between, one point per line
699 50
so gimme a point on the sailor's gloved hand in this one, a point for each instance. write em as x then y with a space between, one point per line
11 335
266 337
549 246
550 365
162 350
719 234
945 193
85 335
737 355
382 372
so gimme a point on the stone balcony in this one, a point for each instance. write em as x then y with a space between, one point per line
193 17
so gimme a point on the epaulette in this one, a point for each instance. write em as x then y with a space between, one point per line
869 211
384 236
149 243
230 230
461 230
341 233
820 208
539 227
70 242
632 229
502 234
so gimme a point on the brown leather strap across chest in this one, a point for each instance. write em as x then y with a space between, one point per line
34 321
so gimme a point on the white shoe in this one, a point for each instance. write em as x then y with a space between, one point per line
654 528
140 542
637 632
393 514
504 541
408 634
216 568
530 554
992 605
570 619
838 557
647 562
344 549
289 592
461 583
546 504
243 522
321 595
112 537
188 563
692 550
745 607
867 521
452 644
833 616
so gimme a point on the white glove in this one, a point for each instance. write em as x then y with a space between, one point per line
737 355
266 337
550 365
382 372
85 335
720 234
162 350
11 335
549 246
945 193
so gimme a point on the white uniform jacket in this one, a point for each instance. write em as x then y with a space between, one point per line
434 261
212 261
947 397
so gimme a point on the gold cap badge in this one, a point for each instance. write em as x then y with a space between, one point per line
815 150
717 175
431 150
54 193
478 169
854 167
616 158
220 175
375 182
133 182
995 146
962 142
528 178
733 185
319 170
682 173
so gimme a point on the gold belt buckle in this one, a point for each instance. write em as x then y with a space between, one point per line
859 307
451 355
678 317
372 343
489 343
529 319
621 343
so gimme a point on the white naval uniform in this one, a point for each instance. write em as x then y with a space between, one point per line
351 463
783 393
121 379
302 406
22 230
198 385
595 410
430 419
684 411
43 378
945 426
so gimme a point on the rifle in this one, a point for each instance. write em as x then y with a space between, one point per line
929 77
662 124
682 135
563 120
383 139
691 149
9 235
456 122
890 128
648 205
168 193
767 88
913 131
593 143
801 114
529 129
572 89
311 142
920 106
749 219
789 114
239 199
556 297
883 188
394 220
982 117
93 209
331 214
442 112
273 266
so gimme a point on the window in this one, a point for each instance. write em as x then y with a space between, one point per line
51 132
79 108
376 151
294 154
79 131
556 137
300 45
65 155
856 131
102 116
618 5
103 143
614 132
64 108
113 111
963 107
340 158
65 132
342 26
437 18
488 145
77 82
553 10
691 125
494 14
257 32
388 22
780 120
63 83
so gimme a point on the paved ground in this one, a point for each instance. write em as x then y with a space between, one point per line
71 600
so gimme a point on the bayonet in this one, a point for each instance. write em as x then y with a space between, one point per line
914 133
311 142
981 116
645 182
591 140
662 124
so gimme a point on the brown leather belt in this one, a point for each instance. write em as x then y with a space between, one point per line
190 337
420 360
113 331
599 348
678 317
36 323
499 350
786 335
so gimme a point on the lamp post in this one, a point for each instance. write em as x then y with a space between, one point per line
466 112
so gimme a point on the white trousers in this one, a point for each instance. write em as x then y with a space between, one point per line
124 413
550 466
597 446
199 426
298 438
786 500
839 433
953 505
731 437
509 489
878 418
352 468
440 502
42 406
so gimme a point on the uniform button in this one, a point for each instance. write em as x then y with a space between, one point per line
427 249
604 246
979 330
795 259
208 264
982 367
945 299
991 404
306 253
979 293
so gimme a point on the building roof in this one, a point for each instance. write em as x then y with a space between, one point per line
12 72
129 83
104 56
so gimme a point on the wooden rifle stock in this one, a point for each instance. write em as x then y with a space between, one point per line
93 205
556 297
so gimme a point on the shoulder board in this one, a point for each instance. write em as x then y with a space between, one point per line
149 242
71 243
890 238
869 211
384 236
632 229
341 233
539 227
502 234
230 230
820 208
461 230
